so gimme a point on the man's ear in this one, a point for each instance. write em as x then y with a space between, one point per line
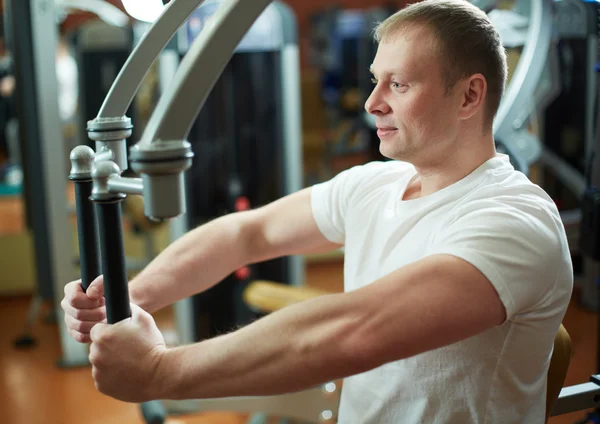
472 96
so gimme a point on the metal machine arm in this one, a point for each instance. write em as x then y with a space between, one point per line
143 56
514 108
200 69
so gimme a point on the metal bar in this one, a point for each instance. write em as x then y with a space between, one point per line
577 398
118 184
292 134
200 69
570 176
184 308
527 74
87 233
104 155
143 56
113 261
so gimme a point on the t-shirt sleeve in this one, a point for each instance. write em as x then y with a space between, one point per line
521 254
332 199
329 202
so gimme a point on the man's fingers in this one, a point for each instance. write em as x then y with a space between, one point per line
80 337
97 331
96 289
81 301
80 326
73 286
78 299
96 314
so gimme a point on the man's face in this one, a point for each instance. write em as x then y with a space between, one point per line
416 119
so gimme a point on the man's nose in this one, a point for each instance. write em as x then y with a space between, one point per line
376 104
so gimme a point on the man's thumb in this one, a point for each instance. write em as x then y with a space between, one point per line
96 289
140 315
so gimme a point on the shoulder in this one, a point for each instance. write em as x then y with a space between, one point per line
514 208
512 231
514 194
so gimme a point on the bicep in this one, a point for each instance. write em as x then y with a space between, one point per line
434 302
287 227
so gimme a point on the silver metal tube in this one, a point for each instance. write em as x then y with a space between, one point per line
143 56
527 74
118 150
570 176
199 70
577 398
292 130
118 184
104 155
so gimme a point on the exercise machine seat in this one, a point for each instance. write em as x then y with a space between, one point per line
559 365
268 296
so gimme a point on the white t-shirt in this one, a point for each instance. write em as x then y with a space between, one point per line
497 220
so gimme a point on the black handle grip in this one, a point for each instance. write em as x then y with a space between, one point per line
113 261
86 233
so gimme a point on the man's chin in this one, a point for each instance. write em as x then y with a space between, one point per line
392 151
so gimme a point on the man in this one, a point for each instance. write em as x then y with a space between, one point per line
457 269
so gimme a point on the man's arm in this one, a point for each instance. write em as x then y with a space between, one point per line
431 303
207 254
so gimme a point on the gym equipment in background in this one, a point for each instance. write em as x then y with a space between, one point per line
248 146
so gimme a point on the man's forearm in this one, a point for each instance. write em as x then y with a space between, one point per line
295 348
192 264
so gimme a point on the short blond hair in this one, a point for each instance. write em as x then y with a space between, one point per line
466 43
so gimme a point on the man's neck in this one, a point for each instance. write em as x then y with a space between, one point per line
451 168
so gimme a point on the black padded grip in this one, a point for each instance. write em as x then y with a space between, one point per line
113 261
87 234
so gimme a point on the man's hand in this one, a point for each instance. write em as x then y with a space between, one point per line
83 310
125 357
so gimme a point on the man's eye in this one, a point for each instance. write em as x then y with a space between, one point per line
397 85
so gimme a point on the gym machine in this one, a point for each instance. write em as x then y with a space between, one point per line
163 155
101 51
247 141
